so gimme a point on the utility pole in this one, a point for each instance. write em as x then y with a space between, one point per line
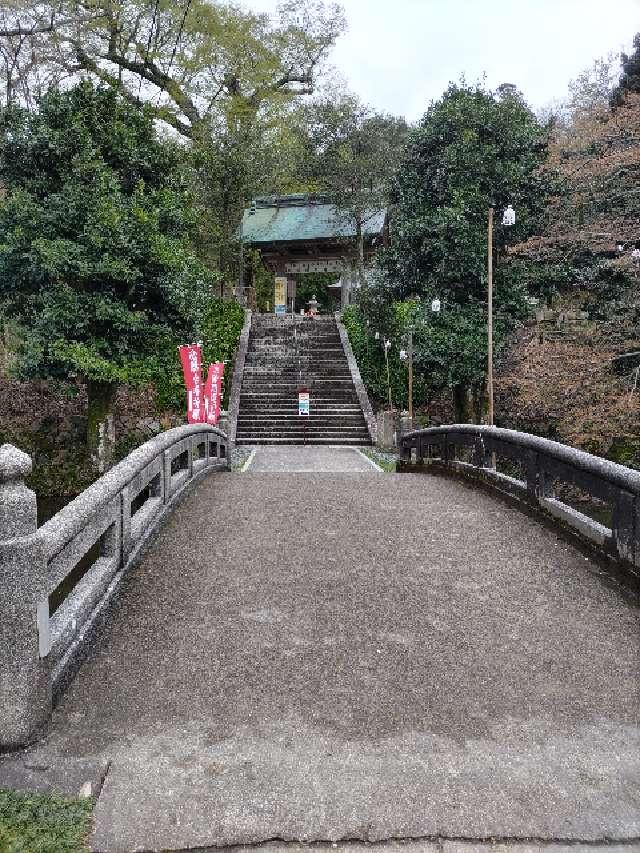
490 316
410 356
387 344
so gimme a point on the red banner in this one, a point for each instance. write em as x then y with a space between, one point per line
213 392
191 358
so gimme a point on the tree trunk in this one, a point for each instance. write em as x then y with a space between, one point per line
479 398
100 424
462 404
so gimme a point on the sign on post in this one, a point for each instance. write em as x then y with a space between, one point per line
303 402
280 294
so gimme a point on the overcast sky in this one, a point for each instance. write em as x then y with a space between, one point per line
398 55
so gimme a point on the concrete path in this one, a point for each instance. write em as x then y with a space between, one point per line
359 656
309 460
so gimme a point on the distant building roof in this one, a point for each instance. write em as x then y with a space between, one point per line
302 216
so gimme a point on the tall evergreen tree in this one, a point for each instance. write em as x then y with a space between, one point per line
472 150
95 260
354 152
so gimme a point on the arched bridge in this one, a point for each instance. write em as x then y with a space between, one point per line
313 655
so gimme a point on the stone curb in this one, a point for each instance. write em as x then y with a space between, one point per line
361 391
236 382
430 846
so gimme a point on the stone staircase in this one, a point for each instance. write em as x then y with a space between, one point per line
285 354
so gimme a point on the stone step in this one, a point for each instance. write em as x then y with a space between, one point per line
257 358
321 426
267 344
319 388
289 395
331 440
289 404
294 382
295 365
293 371
292 412
336 397
294 428
337 438
282 411
284 355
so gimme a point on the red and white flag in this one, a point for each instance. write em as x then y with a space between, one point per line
213 392
191 359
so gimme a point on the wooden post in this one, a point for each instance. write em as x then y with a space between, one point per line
410 355
490 316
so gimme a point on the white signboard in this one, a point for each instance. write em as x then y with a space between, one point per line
303 403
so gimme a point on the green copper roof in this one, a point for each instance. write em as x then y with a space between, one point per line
301 217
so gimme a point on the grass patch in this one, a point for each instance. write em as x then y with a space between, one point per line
43 823
386 461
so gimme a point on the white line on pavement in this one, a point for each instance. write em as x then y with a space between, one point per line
369 459
249 460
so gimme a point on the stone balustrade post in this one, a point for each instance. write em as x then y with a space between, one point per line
481 455
25 691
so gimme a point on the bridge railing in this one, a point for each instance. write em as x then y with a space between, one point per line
540 467
80 558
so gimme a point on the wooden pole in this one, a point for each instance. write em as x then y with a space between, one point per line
490 316
410 354
386 358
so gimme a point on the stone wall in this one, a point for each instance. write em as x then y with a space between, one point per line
50 425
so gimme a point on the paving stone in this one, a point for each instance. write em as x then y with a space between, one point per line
72 777
531 847
310 460
343 847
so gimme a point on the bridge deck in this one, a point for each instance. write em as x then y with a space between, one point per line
318 656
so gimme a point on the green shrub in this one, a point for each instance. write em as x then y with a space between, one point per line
43 823
220 330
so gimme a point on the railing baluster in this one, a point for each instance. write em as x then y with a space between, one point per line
624 526
544 462
25 688
38 653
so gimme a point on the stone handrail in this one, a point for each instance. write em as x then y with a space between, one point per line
358 384
543 462
108 526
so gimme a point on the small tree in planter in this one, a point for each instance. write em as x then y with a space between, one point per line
95 262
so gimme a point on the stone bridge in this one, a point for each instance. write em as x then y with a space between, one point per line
314 651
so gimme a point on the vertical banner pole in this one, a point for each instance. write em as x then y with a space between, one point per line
410 354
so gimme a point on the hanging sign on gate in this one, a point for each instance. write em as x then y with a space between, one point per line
280 294
303 402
